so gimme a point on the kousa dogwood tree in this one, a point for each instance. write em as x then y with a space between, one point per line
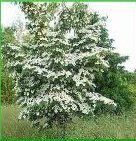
54 72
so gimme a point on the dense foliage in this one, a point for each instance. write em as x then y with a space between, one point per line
114 84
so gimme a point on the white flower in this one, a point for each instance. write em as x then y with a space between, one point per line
74 107
70 34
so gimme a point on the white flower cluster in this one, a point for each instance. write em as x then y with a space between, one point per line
81 78
71 58
96 97
65 102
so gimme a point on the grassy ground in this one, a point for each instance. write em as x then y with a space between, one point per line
123 126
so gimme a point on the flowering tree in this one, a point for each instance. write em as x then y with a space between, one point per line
55 71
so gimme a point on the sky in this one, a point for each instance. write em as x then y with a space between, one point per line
121 24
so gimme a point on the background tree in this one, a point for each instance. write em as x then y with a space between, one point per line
112 81
8 37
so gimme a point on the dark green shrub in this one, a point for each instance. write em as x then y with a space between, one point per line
114 85
7 91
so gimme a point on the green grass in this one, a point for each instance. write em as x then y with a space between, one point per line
105 126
